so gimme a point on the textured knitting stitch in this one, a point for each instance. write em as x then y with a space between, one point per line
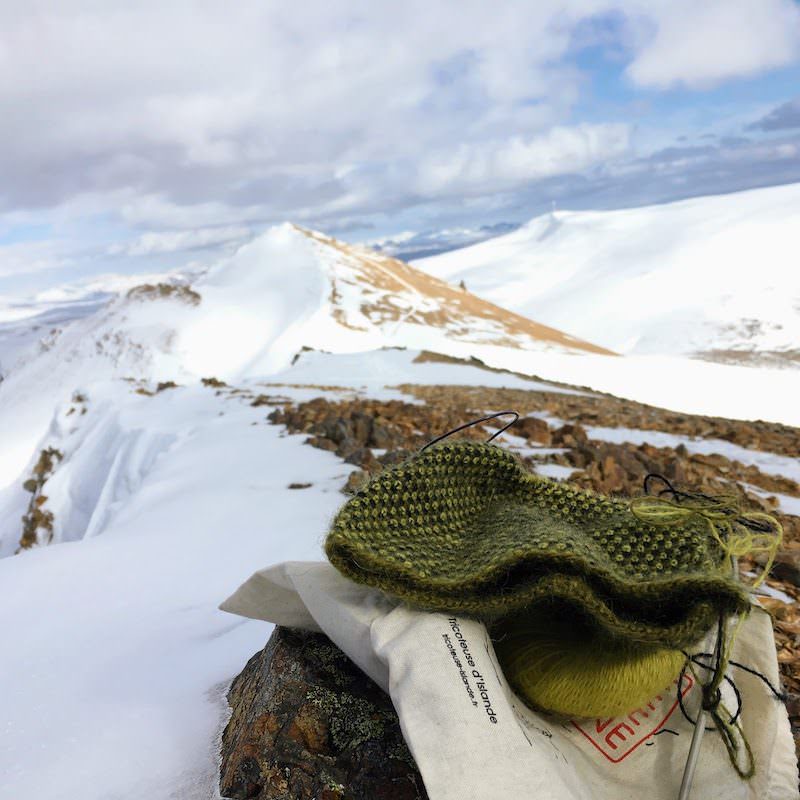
464 528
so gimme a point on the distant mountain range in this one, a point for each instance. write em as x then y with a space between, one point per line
414 245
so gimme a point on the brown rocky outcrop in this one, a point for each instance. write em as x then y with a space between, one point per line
307 724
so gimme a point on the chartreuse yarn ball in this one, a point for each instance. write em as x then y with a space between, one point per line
558 662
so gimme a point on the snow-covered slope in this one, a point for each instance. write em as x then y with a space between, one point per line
715 276
249 315
115 657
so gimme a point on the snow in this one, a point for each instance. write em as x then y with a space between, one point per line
284 291
162 504
290 289
681 384
24 321
765 590
701 274
556 471
786 503
116 657
376 371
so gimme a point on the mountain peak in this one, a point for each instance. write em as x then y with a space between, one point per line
370 290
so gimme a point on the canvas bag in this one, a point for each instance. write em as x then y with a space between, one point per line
473 739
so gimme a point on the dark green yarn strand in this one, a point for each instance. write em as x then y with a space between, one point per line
465 528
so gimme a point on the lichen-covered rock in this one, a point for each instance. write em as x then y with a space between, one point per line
307 723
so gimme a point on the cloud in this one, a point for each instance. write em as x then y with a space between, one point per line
671 173
157 242
259 105
699 44
784 117
31 257
180 124
501 165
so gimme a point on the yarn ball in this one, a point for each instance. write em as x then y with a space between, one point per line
557 661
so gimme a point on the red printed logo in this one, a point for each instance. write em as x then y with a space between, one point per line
618 737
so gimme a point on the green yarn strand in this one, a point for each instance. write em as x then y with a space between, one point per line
736 531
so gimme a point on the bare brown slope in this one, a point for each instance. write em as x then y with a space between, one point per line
457 310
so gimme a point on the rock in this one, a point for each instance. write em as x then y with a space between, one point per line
533 429
355 480
333 428
787 566
364 457
307 724
362 426
570 435
277 417
381 436
613 476
397 456
346 447
322 443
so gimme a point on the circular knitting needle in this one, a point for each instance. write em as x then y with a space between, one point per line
694 753
699 730
477 422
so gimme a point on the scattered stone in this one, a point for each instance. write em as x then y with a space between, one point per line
321 442
533 429
355 481
570 435
299 485
262 400
364 457
787 565
594 408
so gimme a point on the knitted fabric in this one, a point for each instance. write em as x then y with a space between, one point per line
464 528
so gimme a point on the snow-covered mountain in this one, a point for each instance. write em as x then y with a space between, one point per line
249 315
159 504
717 277
142 495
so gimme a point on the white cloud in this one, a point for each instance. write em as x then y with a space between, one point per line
157 242
700 44
29 257
176 120
500 165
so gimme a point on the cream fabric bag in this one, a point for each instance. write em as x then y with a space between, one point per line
473 739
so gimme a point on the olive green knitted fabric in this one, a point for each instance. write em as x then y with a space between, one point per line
464 528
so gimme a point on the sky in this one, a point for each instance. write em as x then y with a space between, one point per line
160 135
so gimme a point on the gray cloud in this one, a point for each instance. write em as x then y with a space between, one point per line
672 173
784 117
181 127
338 109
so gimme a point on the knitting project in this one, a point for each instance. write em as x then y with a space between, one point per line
463 527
